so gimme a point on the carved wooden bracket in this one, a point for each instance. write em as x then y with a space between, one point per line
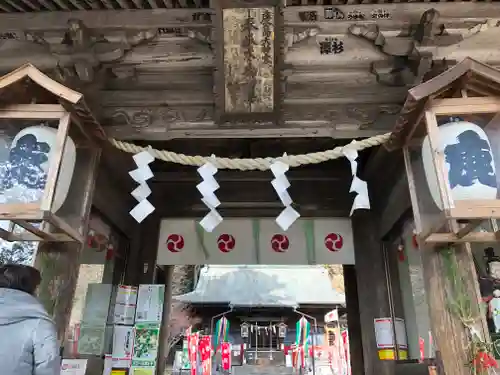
202 35
295 35
405 64
83 52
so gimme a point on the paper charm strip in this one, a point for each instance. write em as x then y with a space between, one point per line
141 175
281 184
358 186
207 188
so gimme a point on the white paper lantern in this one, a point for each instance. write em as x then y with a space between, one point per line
469 164
41 140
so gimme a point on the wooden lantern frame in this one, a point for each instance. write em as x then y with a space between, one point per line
469 88
69 109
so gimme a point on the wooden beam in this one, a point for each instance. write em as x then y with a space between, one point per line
140 19
330 93
145 122
253 176
210 130
253 211
147 18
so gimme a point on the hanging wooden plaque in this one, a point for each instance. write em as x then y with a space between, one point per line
249 56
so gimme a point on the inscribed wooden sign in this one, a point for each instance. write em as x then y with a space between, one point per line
249 54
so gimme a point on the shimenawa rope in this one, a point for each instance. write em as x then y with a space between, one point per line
261 164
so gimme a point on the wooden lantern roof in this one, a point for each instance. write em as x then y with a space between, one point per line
478 79
28 85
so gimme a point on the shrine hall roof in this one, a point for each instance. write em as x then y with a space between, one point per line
265 286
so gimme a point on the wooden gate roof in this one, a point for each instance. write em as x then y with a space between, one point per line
146 69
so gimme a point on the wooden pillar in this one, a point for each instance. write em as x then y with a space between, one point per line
449 335
149 247
353 320
165 326
59 263
372 288
134 267
144 247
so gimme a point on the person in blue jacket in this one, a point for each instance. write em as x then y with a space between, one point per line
28 339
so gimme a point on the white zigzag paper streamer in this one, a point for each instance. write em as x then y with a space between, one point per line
141 175
281 184
207 188
360 187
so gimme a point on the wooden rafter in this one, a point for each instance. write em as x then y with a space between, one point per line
77 4
62 4
32 5
16 5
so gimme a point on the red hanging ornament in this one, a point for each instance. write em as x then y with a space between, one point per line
401 253
483 361
110 252
206 355
90 237
414 241
226 356
193 343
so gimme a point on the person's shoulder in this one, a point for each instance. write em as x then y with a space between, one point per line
45 325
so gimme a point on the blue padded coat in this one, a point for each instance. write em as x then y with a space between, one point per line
28 340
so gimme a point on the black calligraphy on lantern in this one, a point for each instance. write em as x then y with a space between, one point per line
331 46
470 161
25 164
267 38
311 16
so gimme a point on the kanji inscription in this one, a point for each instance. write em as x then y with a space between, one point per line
249 59
470 161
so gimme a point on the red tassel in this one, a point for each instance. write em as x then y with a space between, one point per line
401 253
414 241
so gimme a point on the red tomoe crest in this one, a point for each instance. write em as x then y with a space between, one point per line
280 243
226 242
175 243
334 242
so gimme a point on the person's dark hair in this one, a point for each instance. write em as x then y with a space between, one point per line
19 277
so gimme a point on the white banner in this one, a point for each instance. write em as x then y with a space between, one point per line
333 241
230 243
279 247
256 241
